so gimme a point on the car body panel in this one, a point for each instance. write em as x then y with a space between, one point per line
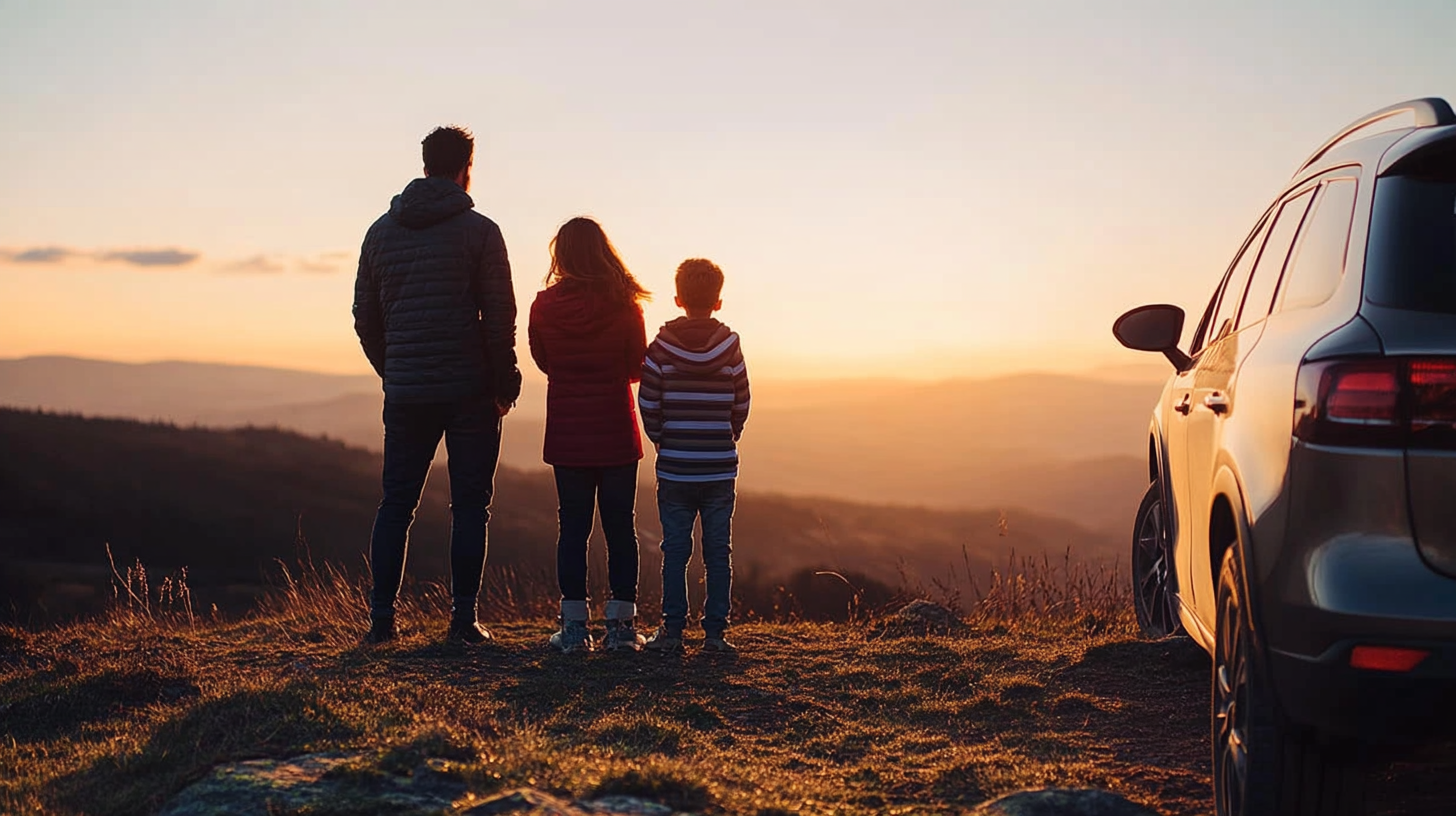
1213 379
1404 332
1342 503
1431 475
1175 429
1354 338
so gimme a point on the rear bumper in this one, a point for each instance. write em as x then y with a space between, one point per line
1340 569
1326 693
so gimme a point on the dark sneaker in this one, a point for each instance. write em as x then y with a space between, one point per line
468 632
664 640
381 630
715 642
622 636
573 637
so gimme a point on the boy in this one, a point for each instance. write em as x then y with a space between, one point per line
694 401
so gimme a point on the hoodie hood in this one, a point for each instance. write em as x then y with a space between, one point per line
426 202
697 343
575 310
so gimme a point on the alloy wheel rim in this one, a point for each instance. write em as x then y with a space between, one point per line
1153 568
1231 678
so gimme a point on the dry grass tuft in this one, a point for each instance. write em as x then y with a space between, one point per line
1035 591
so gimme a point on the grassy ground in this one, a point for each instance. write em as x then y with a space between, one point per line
115 716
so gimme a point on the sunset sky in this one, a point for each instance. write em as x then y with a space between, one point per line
915 189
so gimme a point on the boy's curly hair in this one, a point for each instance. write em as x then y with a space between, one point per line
699 283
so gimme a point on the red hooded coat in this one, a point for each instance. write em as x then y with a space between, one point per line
591 351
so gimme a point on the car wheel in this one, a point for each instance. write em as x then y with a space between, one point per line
1263 766
1154 588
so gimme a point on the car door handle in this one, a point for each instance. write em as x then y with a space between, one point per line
1184 406
1217 403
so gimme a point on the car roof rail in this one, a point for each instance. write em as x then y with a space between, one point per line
1430 111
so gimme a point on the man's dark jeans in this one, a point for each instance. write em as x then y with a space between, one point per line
412 431
679 504
580 492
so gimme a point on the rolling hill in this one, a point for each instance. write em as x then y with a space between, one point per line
1057 445
230 504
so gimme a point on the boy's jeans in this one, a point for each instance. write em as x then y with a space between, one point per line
679 504
581 492
412 431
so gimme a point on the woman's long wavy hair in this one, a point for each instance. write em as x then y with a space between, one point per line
581 253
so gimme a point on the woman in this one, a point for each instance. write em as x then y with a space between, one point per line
587 336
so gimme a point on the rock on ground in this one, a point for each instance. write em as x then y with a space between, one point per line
920 618
263 786
1062 802
342 781
527 802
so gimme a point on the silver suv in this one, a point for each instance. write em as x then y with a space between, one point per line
1300 523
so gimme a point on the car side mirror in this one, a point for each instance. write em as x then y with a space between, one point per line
1153 328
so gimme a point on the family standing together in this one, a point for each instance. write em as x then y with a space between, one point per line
435 312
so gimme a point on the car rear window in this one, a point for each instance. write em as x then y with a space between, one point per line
1411 256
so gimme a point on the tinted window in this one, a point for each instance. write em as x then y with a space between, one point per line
1411 258
1260 296
1318 262
1233 291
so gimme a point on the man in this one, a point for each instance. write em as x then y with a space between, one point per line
436 314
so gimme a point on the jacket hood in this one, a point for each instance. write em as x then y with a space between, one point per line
576 310
688 339
428 201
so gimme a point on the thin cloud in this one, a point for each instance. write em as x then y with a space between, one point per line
172 257
152 257
262 264
324 263
40 255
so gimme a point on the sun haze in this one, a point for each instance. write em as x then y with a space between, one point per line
928 190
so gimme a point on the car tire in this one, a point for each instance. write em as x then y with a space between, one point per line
1262 764
1154 581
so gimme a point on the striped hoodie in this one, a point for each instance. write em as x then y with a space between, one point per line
694 400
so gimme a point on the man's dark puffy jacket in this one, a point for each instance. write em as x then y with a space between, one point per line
433 304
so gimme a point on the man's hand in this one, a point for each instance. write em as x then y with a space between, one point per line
503 408
657 446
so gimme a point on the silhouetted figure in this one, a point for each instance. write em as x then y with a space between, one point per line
588 336
436 314
694 400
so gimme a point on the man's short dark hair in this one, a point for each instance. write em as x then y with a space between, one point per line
448 150
699 283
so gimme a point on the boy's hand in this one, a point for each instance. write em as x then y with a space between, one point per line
657 447
503 408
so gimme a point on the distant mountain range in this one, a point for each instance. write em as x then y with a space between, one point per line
1055 445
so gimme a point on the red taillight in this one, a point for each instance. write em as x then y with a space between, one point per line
1386 402
1433 395
1386 658
1361 394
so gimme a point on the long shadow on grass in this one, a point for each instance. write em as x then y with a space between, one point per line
272 723
57 705
1148 699
703 691
1164 674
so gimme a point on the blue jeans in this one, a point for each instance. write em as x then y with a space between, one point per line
412 431
679 504
580 493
